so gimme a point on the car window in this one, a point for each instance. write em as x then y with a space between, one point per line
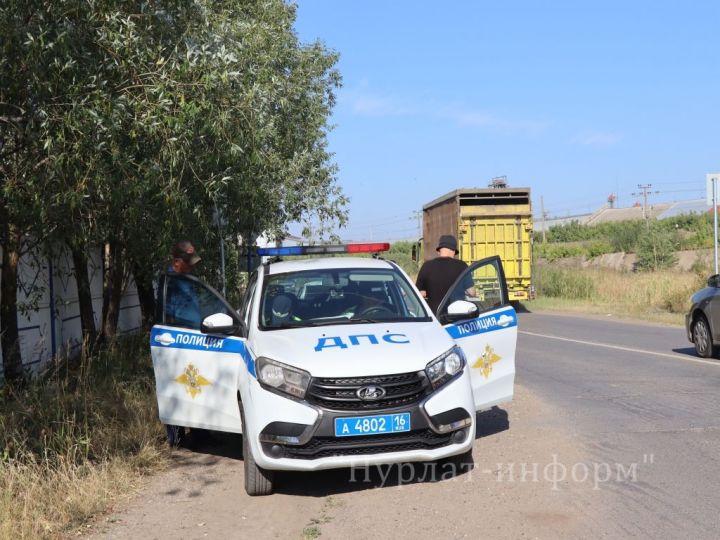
482 284
312 298
188 301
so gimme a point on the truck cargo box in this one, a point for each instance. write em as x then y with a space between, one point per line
486 222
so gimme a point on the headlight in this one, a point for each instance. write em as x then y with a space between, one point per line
281 377
445 367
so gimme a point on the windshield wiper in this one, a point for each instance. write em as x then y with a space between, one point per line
298 324
367 320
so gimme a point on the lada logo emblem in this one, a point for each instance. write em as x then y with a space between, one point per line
371 393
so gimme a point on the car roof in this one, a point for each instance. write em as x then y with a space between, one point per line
327 263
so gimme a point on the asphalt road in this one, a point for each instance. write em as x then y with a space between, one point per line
634 393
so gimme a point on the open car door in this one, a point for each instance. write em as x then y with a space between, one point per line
196 372
488 334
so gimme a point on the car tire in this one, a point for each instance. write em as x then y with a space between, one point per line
702 338
258 481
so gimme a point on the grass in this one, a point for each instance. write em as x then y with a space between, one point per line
662 296
76 440
312 530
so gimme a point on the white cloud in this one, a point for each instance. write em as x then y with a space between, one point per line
598 139
363 101
376 105
485 119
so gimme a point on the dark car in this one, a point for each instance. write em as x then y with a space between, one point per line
703 320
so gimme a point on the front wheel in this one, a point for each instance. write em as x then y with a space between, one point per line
258 481
702 338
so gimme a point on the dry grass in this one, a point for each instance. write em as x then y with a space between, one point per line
654 296
76 441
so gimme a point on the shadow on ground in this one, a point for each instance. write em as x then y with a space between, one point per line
208 448
690 351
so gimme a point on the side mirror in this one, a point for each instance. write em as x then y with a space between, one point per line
461 309
218 323
714 281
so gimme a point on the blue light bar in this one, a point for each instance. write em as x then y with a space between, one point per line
281 251
373 247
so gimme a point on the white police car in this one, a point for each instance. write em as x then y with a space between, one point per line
334 362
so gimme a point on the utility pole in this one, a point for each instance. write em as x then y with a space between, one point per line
645 192
543 215
418 215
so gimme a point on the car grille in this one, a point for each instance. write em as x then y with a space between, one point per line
320 447
340 394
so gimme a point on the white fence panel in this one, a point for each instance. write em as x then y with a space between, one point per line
53 326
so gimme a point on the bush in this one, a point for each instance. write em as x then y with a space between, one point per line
595 249
623 236
656 249
560 283
401 253
553 252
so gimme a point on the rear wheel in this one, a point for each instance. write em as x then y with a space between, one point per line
258 481
702 337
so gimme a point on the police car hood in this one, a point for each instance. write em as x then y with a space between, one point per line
355 350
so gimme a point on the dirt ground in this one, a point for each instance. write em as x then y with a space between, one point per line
515 489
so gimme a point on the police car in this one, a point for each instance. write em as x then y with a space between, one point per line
334 362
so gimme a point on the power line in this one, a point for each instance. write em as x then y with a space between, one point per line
645 192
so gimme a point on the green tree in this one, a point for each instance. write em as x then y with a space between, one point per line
127 124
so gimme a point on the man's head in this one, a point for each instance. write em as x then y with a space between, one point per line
447 246
184 257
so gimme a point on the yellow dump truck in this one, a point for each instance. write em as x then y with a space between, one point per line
486 222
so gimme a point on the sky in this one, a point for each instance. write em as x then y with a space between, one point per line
576 100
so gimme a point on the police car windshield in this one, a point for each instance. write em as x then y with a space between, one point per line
338 296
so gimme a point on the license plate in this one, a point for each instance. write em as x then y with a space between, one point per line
372 425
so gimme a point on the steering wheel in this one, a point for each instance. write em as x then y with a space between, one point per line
373 311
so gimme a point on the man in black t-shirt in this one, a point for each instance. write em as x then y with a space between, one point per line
437 275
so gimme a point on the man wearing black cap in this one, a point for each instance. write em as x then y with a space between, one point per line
437 275
184 257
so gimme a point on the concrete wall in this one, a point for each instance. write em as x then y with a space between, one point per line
53 326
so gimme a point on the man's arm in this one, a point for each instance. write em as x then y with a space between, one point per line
469 286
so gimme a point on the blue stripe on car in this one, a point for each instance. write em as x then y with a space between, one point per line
177 339
488 323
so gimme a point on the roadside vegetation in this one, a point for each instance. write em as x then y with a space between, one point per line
654 289
661 296
654 241
76 440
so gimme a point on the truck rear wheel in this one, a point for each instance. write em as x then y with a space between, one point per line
258 481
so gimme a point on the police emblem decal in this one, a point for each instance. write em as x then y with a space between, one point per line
192 381
486 361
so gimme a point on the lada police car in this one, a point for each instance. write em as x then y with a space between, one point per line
334 362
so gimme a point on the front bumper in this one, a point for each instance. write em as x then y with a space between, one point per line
283 436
